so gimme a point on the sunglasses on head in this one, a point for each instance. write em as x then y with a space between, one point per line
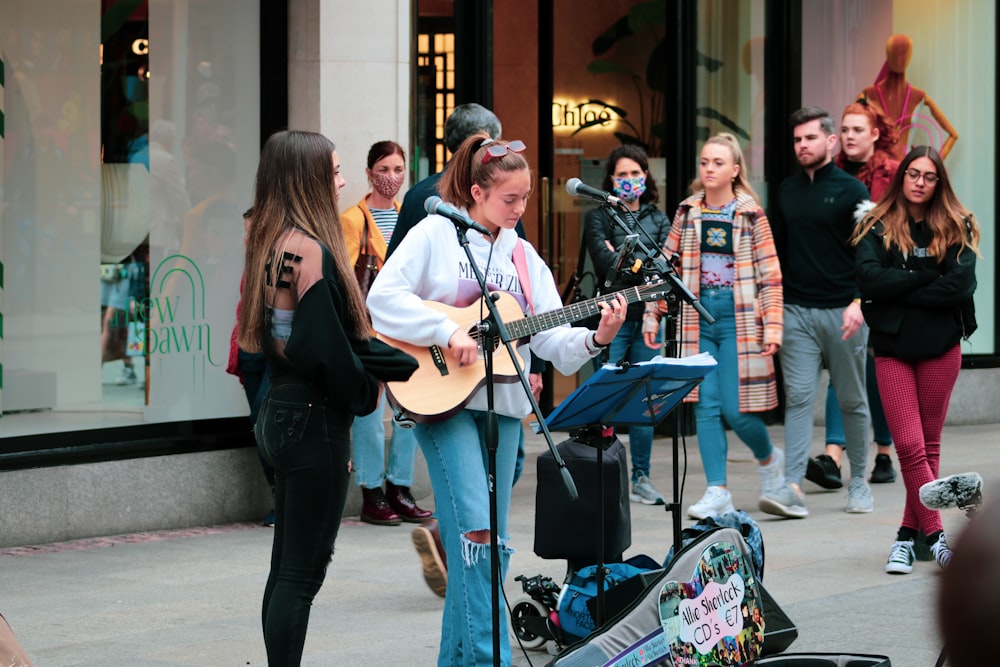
495 150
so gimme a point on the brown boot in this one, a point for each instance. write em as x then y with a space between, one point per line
427 540
375 509
402 503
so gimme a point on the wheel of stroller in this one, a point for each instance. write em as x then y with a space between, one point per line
527 608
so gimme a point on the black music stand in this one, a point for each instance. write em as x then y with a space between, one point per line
639 394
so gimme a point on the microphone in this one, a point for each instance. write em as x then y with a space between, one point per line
961 490
436 206
578 188
621 259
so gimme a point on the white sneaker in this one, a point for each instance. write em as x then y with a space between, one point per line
716 502
772 475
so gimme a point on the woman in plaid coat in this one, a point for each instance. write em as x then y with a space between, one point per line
729 263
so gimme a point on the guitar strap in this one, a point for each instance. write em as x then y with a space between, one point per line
521 266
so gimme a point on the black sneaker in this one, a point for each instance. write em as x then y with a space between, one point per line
882 473
824 471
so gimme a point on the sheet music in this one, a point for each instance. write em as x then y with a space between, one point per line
700 359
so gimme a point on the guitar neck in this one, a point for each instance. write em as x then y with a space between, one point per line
573 313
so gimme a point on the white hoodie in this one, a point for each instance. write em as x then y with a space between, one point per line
430 265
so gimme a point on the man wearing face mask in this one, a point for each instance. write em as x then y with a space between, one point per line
627 176
368 227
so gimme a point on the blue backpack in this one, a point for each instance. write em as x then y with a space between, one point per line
575 618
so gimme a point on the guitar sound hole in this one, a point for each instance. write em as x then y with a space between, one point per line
474 334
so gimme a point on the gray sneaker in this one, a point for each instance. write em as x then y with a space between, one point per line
859 497
784 501
772 475
643 492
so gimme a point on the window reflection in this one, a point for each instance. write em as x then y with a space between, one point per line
131 138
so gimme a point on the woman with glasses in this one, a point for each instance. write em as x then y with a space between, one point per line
489 182
626 175
916 261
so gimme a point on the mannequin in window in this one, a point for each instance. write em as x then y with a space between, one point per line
899 100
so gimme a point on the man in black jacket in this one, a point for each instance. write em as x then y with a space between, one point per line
814 217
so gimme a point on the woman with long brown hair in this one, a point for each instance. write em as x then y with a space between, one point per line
303 308
916 260
491 182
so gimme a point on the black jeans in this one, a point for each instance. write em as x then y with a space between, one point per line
307 441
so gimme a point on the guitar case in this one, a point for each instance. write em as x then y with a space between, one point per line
705 608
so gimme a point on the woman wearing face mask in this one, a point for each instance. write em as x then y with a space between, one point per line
627 176
373 221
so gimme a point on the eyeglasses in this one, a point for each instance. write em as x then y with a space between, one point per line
495 150
930 178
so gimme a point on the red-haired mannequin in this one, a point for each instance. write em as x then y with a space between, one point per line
899 99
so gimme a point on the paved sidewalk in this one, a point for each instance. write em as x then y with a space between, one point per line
192 597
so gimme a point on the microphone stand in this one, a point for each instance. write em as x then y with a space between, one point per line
491 330
657 266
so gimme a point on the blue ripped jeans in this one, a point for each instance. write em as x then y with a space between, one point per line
455 451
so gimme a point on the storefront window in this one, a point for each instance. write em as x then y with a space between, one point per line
130 140
948 88
730 78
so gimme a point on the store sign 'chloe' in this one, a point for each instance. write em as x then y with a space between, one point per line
140 47
570 116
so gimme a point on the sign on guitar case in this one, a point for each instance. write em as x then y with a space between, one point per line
713 618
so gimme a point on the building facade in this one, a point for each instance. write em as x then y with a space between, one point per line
130 131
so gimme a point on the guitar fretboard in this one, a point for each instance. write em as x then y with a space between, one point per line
581 310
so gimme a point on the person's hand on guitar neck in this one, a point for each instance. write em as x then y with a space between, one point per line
612 319
465 350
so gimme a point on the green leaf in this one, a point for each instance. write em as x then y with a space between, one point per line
618 110
647 14
724 120
709 63
656 67
590 123
602 66
607 39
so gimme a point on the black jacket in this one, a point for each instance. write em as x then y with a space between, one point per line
599 227
913 305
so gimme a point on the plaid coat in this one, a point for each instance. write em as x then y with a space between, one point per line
757 294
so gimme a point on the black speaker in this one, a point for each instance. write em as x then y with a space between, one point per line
568 530
779 631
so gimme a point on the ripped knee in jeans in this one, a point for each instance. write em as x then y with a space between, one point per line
476 546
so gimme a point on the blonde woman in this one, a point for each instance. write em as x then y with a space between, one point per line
728 261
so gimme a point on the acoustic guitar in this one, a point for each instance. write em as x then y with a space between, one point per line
440 388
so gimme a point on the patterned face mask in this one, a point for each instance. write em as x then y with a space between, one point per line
387 184
629 189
